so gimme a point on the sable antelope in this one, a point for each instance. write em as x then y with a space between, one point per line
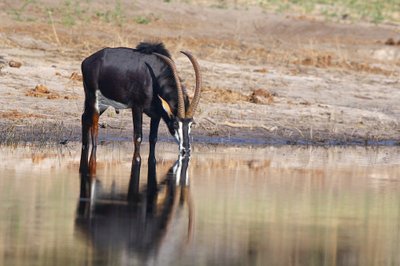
162 223
145 80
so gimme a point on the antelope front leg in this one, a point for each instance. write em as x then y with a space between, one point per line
87 169
94 130
83 166
137 114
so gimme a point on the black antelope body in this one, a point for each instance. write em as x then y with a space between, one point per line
145 80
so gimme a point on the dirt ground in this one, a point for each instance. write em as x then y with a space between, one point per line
268 78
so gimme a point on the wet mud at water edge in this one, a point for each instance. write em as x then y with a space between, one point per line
289 205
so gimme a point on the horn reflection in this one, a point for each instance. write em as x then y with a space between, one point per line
157 220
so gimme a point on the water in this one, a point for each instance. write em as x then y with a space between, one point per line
244 206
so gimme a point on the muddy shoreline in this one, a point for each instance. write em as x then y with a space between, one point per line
58 133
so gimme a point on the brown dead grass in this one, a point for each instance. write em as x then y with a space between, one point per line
261 96
391 41
219 95
365 67
16 115
329 61
75 76
15 64
78 45
42 91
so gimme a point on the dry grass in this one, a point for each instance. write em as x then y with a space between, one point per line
42 92
17 115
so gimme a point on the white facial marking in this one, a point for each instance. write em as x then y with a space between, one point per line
180 135
190 126
176 136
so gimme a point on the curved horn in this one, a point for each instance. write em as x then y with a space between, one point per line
196 97
181 103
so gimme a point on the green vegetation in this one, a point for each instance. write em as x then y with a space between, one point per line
116 15
220 4
375 11
72 12
17 13
142 20
367 10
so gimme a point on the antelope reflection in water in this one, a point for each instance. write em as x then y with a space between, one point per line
141 228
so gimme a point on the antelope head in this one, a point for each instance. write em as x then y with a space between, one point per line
182 121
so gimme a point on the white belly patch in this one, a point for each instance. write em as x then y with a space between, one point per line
103 103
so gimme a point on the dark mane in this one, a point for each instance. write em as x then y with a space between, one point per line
149 48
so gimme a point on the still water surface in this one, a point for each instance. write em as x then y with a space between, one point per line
244 206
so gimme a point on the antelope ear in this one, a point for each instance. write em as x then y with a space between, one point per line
166 107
